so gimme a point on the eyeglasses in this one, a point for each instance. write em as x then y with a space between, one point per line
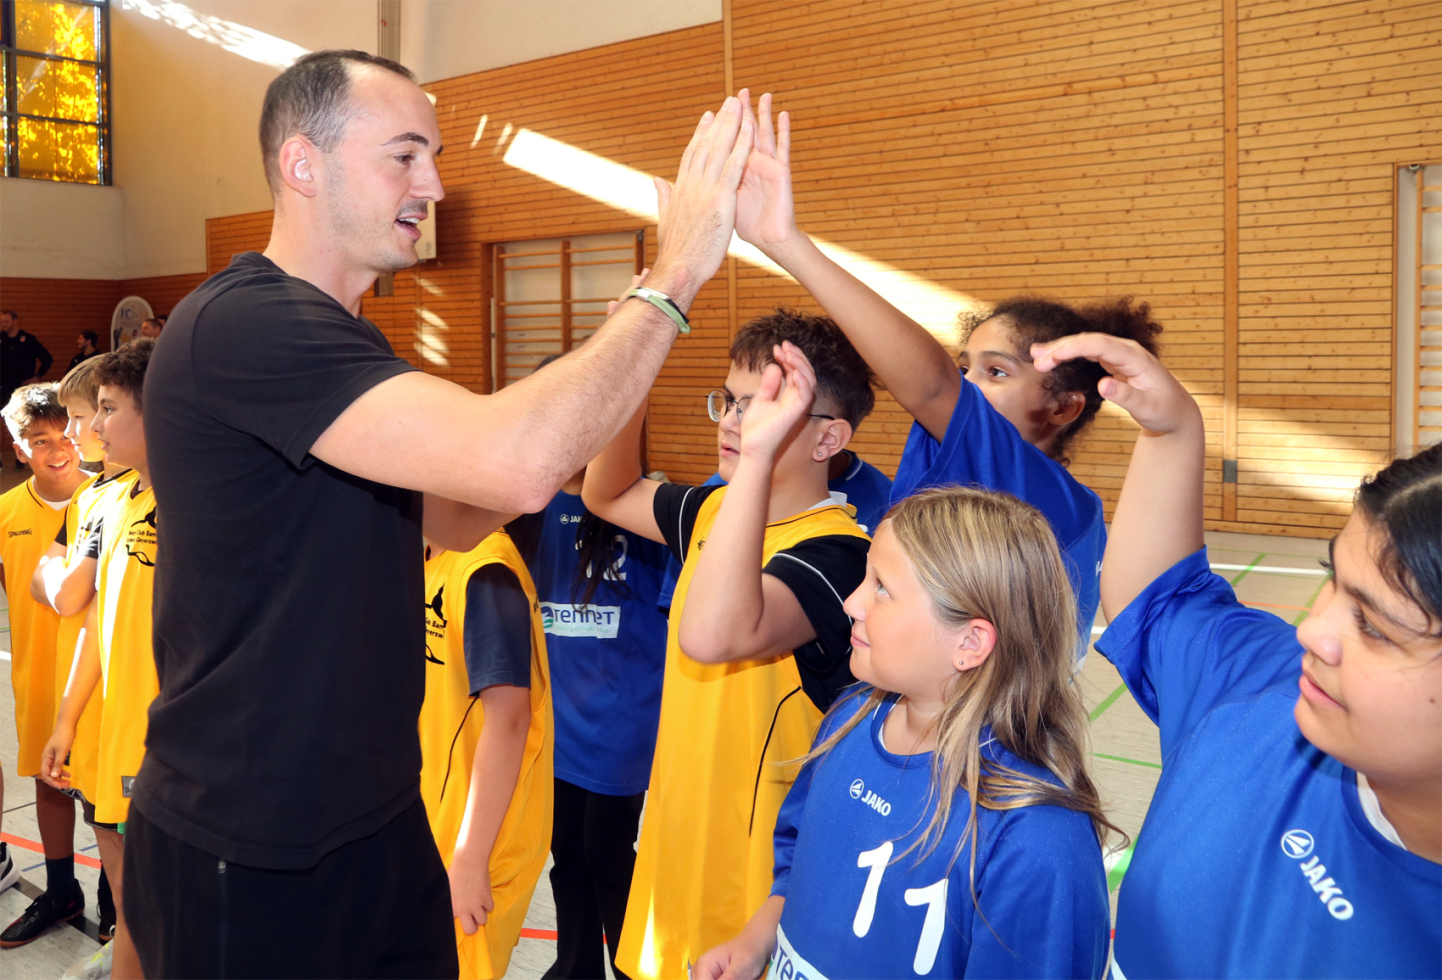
719 403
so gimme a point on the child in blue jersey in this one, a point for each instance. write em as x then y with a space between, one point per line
1266 854
599 587
944 824
996 423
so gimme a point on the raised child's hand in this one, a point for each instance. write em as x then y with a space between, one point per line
1138 383
765 213
784 396
698 213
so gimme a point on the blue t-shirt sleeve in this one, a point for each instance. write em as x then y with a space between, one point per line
1186 645
982 448
497 635
1043 896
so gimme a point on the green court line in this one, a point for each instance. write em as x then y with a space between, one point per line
1122 758
1243 573
1107 702
1310 602
1119 870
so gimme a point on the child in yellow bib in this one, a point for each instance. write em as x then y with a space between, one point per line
758 644
486 738
30 516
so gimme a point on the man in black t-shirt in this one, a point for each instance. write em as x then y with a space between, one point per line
85 348
296 463
23 361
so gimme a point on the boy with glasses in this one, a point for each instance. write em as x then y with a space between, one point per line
758 644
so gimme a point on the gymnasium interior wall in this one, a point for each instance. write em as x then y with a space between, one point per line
1231 163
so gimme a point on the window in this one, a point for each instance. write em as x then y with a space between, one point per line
56 101
552 294
1419 307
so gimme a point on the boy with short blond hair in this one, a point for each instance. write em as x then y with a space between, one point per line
758 644
116 646
65 581
30 515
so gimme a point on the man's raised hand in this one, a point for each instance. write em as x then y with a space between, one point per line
698 212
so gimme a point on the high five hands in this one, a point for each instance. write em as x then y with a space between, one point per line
698 212
735 174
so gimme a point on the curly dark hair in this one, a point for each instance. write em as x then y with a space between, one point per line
125 369
1037 320
843 378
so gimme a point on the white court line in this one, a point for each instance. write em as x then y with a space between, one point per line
1271 569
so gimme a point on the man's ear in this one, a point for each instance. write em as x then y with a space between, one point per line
974 643
835 434
299 159
1065 408
20 453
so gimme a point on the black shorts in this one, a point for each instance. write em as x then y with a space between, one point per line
375 907
87 810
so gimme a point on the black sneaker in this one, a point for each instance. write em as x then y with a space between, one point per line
44 912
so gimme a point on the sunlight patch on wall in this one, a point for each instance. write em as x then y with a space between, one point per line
250 44
616 185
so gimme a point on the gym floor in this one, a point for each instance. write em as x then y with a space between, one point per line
1278 574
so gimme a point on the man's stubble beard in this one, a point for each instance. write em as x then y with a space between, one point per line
350 229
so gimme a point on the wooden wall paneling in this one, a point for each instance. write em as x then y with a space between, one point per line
1230 376
56 310
162 292
1331 99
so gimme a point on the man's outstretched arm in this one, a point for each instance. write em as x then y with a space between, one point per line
511 451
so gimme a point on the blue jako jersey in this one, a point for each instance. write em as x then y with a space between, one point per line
866 488
984 449
1257 858
606 659
856 908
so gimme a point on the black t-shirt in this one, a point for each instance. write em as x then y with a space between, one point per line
288 642
821 572
497 631
22 357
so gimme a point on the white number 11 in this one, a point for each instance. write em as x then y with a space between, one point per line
933 896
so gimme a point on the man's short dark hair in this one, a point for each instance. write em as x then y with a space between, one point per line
91 336
11 313
312 98
843 378
125 369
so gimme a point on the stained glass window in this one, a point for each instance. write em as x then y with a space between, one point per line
56 105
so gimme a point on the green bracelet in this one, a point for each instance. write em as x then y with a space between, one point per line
663 303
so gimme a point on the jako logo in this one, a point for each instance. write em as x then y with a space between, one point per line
1297 844
869 797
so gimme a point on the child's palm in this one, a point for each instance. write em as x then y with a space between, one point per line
787 389
765 212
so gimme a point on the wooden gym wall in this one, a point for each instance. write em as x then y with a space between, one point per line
1230 163
56 310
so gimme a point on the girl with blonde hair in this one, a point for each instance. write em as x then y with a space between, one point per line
944 823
